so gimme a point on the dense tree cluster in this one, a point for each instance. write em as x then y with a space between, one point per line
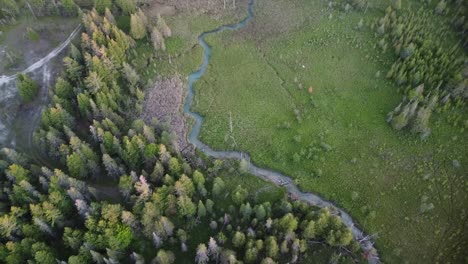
52 216
424 61
458 12
96 86
414 112
90 131
140 27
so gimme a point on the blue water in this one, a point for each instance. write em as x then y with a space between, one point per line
193 137
272 176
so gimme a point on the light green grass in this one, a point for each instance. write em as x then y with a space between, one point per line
182 54
256 82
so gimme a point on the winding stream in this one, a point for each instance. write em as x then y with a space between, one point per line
270 175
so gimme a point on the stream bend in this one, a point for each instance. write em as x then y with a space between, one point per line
275 177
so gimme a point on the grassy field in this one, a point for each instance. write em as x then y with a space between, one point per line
30 39
182 55
335 141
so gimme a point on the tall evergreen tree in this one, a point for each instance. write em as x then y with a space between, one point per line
137 27
27 87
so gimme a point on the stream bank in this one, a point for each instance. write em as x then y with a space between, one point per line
275 177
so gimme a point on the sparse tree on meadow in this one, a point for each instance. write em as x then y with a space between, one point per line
157 40
163 27
244 166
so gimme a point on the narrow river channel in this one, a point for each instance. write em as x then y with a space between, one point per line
270 175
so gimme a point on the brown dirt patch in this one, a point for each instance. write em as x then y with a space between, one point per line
165 101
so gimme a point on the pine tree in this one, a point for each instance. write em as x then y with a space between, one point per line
198 178
420 124
72 238
163 27
396 4
251 255
238 240
288 222
440 8
309 231
76 166
143 18
63 89
111 166
202 254
201 210
213 248
244 166
45 256
209 205
127 6
174 166
239 195
186 207
157 40
268 260
137 27
73 69
109 16
218 186
101 5
69 8
260 212
130 74
27 87
272 248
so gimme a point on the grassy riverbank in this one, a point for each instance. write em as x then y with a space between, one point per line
182 54
335 140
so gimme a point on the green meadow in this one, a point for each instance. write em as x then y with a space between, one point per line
304 92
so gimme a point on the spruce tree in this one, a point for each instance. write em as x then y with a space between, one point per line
157 39
101 5
27 87
137 27
127 6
